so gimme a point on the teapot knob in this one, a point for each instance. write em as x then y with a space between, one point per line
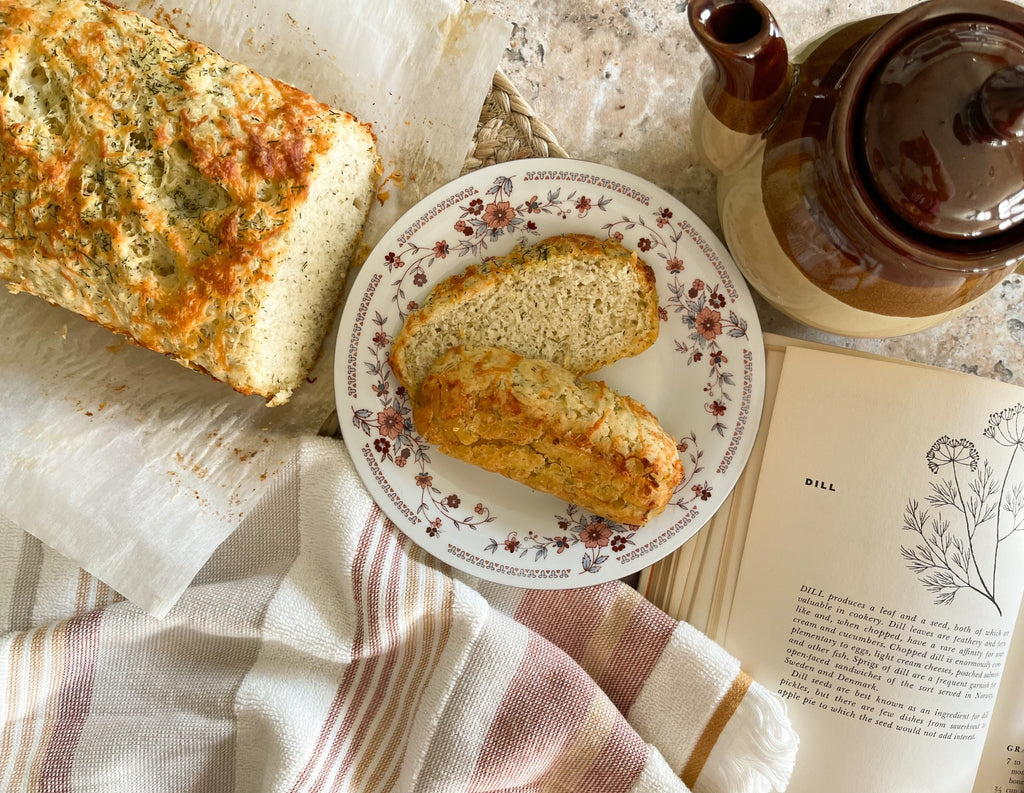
1001 104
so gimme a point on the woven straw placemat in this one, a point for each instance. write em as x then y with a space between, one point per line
507 130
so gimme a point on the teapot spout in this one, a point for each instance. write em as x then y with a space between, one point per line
748 83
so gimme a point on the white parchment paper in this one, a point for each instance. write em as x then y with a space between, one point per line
136 468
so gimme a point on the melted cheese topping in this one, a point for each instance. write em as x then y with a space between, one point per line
144 179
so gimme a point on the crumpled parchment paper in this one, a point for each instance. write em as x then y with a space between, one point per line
136 468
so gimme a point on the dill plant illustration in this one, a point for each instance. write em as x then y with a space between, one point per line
975 512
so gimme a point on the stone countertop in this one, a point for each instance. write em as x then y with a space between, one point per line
613 81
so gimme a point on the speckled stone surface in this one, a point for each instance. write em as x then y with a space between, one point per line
613 81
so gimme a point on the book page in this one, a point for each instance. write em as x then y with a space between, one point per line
882 571
1002 765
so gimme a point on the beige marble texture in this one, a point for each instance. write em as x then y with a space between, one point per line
613 80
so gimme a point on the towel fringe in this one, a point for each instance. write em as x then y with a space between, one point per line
756 751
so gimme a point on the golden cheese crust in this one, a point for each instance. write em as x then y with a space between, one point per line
145 181
537 423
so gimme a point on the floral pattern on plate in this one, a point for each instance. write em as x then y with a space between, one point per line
703 378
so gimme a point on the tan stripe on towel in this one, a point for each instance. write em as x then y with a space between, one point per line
35 694
723 712
58 648
26 584
606 636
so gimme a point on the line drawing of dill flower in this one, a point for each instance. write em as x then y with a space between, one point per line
1007 429
946 557
945 450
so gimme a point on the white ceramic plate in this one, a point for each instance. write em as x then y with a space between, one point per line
703 378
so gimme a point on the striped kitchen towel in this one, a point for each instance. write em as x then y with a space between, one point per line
320 650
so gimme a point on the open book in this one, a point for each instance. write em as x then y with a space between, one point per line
869 567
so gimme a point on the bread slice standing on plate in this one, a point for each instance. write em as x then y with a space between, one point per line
576 300
173 196
537 423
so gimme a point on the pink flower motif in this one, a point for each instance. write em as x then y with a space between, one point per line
424 480
533 205
675 265
716 408
644 244
708 323
583 206
499 214
511 543
596 534
390 423
440 249
381 339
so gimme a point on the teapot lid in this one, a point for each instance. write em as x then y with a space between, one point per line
942 118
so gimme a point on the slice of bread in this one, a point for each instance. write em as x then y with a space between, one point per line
537 423
575 300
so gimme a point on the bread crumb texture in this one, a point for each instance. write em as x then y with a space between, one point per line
574 299
537 423
173 196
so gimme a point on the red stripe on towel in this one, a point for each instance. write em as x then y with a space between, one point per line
614 633
366 538
544 735
366 649
397 640
640 647
82 641
620 763
570 616
384 655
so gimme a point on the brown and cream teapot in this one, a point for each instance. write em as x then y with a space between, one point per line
872 185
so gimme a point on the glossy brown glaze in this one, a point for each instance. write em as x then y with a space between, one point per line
827 210
937 124
751 75
1001 105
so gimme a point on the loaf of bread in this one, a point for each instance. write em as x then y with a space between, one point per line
575 300
537 423
148 184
